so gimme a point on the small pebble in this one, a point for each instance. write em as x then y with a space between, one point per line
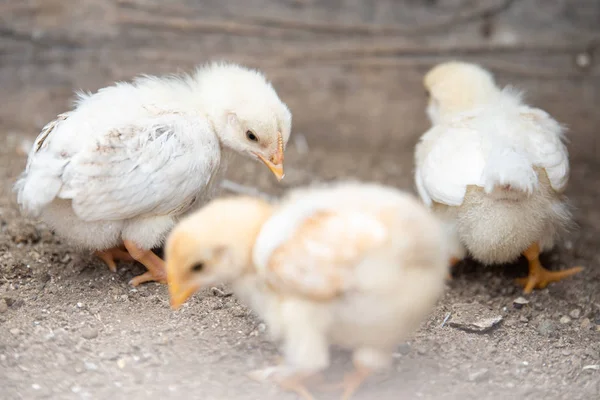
219 293
90 366
15 331
121 363
3 306
35 386
523 319
565 320
262 327
479 376
585 324
575 313
89 333
546 328
473 317
519 302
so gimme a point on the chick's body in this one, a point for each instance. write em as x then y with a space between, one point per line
130 159
352 249
493 168
355 265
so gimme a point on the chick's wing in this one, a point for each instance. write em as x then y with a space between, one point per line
449 158
547 148
317 261
154 167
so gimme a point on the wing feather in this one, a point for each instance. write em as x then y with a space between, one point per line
455 159
317 260
158 165
487 149
155 167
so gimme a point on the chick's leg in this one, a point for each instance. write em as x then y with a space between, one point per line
539 277
156 266
353 380
109 257
453 262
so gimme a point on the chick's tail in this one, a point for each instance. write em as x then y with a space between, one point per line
509 174
36 189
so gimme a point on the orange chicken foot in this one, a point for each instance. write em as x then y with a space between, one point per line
109 257
351 382
293 383
539 277
155 265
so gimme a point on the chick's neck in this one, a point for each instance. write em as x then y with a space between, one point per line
250 235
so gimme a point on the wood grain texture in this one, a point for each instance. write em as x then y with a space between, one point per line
349 69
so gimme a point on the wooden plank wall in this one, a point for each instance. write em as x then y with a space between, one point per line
349 69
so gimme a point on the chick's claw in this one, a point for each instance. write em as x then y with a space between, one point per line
539 277
149 277
109 257
287 380
156 266
350 384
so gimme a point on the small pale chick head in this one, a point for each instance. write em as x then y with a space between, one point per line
213 245
248 114
455 86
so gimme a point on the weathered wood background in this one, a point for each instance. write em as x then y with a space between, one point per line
349 69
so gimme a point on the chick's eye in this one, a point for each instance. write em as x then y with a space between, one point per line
198 267
251 136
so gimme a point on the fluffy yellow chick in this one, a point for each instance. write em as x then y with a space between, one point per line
351 264
494 169
115 174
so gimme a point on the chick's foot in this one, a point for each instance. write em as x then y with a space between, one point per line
539 277
351 382
156 266
109 257
286 379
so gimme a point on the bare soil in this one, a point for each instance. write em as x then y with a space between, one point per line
70 329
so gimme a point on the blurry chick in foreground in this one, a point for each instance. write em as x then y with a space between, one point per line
494 169
356 265
114 174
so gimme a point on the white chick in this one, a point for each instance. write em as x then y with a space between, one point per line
114 174
494 169
349 264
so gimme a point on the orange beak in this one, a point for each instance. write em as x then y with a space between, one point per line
275 164
179 291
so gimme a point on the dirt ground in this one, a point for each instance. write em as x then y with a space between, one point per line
69 328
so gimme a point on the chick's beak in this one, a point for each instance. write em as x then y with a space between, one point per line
179 289
275 163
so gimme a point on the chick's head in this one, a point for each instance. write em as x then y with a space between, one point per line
248 115
455 87
213 245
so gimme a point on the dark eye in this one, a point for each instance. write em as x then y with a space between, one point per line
198 267
251 136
